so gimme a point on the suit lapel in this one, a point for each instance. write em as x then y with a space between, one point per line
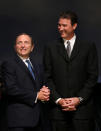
36 70
24 67
75 50
61 49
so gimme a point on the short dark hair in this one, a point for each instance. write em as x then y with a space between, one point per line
27 35
69 15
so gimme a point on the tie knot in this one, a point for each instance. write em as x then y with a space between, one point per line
68 42
27 61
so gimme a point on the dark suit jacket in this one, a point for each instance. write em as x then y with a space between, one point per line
71 77
22 90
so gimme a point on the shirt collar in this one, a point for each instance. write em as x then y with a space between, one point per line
71 40
24 60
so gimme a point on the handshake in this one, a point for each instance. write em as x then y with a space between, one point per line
43 94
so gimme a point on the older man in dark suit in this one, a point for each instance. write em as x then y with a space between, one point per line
71 69
23 80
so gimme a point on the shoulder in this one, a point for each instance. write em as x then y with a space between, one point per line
86 44
53 44
37 60
9 63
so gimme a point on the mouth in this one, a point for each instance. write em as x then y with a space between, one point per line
23 50
62 32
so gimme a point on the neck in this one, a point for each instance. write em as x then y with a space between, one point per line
70 36
23 57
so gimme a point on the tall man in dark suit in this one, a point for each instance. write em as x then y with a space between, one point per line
23 82
71 70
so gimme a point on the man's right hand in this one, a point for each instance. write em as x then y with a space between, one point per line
61 102
43 94
64 105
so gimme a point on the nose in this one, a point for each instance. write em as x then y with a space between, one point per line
22 44
60 28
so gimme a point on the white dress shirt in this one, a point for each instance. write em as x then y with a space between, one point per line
72 42
24 60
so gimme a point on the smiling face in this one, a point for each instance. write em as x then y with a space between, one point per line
24 45
65 28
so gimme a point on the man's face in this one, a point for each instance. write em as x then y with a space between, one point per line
65 28
23 46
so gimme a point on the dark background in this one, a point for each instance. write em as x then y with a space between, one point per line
39 18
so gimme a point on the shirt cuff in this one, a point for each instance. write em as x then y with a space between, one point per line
57 100
36 98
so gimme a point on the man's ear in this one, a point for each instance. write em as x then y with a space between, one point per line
75 26
32 48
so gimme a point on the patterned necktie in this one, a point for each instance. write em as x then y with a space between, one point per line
30 69
68 49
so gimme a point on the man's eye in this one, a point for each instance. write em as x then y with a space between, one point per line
26 42
19 42
64 25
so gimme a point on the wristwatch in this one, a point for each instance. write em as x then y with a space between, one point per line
81 99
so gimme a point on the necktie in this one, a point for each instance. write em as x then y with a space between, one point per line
30 69
68 48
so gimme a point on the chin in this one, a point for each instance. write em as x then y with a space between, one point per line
63 36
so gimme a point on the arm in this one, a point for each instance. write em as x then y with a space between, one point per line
91 78
92 74
48 75
14 91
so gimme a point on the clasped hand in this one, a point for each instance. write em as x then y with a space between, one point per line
43 94
69 104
